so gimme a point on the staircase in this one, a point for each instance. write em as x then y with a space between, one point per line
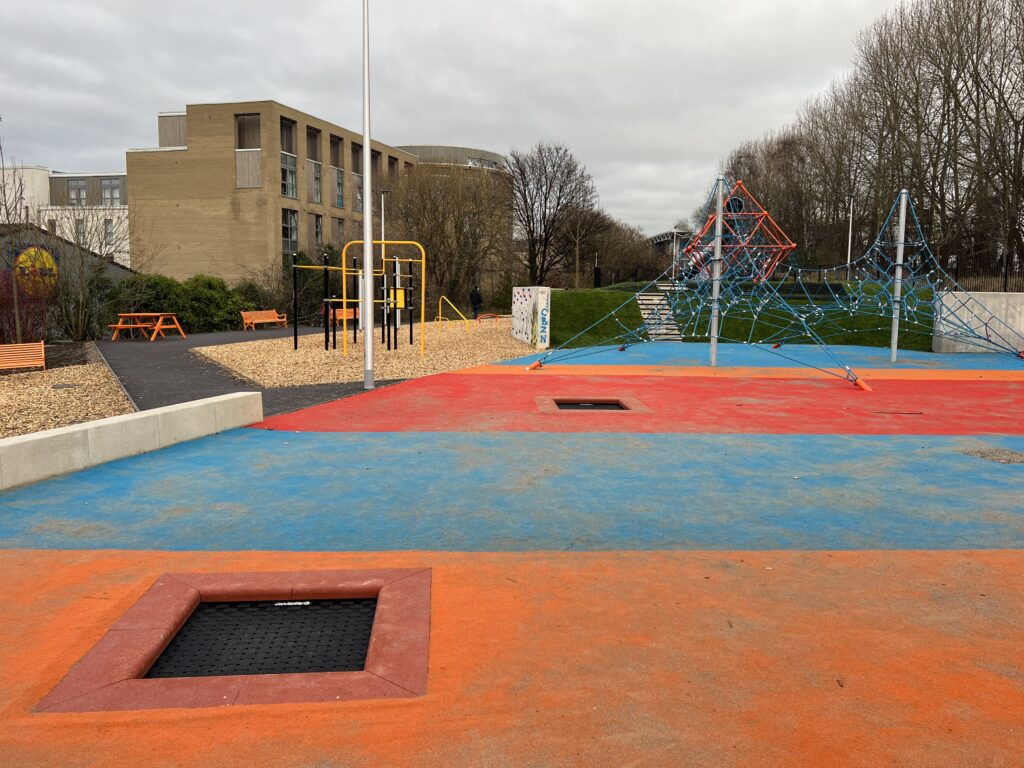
657 315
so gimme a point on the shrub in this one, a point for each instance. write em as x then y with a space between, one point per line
207 304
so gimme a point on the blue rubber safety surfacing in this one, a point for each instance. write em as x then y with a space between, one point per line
259 490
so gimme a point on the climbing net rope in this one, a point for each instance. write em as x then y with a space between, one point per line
766 301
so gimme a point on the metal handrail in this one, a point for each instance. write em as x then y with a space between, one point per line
440 311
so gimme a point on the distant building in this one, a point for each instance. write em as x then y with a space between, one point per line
464 156
88 209
233 186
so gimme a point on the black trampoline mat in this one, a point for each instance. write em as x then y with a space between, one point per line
270 637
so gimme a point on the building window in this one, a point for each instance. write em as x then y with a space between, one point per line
289 231
289 187
288 178
108 231
51 226
339 188
392 167
317 182
76 192
339 231
247 131
318 229
288 136
358 178
80 231
110 191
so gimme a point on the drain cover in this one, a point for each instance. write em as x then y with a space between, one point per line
597 405
266 638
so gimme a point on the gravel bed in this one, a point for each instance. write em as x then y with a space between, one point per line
32 401
449 347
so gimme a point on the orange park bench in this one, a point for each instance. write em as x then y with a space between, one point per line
263 317
23 356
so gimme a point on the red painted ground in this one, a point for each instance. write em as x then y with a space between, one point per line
660 659
493 402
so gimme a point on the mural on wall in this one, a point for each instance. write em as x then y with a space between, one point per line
35 269
531 315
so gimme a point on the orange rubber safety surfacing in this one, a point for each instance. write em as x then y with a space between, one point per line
110 676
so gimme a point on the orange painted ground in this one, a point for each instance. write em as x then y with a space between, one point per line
612 659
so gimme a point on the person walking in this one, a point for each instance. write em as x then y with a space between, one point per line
476 300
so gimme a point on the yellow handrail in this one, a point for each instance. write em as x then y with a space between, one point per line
440 311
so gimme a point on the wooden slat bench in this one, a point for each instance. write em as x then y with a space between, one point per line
263 316
23 356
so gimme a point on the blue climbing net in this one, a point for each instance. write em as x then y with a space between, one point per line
769 305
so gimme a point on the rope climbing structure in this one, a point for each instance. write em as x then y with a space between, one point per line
736 281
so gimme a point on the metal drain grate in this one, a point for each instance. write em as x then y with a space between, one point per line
592 405
266 638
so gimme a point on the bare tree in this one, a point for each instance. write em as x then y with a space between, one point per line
548 184
462 218
14 213
578 231
934 103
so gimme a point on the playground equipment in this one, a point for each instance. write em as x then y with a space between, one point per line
440 312
392 295
734 282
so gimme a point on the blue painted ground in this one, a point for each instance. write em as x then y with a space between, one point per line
697 353
260 490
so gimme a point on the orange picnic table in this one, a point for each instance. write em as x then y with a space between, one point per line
152 324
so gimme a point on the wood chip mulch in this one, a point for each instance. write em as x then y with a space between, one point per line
449 347
32 401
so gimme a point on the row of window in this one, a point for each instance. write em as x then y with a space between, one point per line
290 186
80 232
290 230
110 192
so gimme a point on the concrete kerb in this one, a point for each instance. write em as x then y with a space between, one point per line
30 458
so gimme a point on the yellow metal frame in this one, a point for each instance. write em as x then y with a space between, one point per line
440 312
396 260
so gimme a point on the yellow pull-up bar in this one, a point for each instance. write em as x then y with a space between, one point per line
368 322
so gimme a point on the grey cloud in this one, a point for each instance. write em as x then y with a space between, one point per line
649 95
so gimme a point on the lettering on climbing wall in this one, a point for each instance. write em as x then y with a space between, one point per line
531 315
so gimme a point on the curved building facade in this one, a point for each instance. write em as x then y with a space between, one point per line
467 156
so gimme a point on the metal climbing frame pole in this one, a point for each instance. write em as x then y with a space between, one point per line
716 269
295 305
898 287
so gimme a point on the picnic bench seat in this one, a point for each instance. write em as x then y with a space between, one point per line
32 355
263 316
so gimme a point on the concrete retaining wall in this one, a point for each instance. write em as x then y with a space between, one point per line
29 458
1007 307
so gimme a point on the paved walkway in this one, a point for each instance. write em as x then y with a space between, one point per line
165 373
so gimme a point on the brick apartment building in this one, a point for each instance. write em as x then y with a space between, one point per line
233 186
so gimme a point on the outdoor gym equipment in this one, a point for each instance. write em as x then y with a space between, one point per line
391 297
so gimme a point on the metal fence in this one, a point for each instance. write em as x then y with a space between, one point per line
985 273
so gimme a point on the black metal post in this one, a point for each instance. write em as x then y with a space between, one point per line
355 292
383 310
295 305
327 320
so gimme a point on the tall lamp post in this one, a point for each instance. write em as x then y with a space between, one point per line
849 236
366 304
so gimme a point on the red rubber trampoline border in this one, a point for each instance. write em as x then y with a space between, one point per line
110 676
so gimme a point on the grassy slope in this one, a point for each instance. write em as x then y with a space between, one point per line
572 311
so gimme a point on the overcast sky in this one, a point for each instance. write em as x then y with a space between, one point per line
649 94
